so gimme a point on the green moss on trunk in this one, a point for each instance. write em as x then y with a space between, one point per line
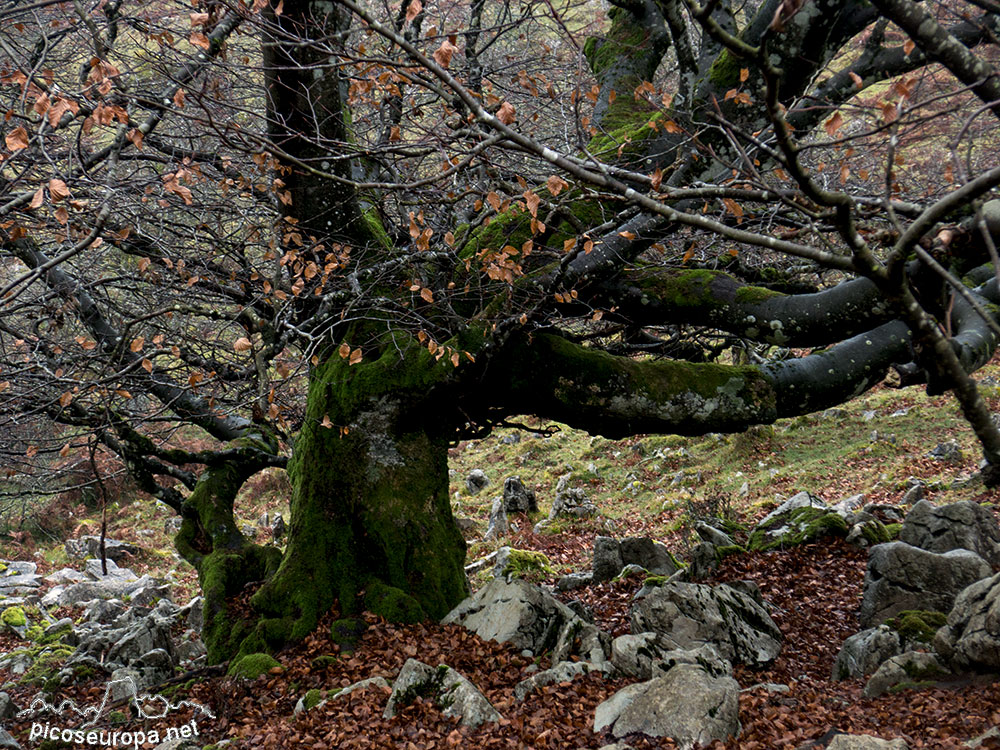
370 508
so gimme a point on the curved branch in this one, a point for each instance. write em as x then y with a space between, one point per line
547 375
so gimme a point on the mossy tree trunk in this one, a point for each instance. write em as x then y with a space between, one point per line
371 524
211 540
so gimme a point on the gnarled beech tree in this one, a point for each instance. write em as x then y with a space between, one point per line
343 235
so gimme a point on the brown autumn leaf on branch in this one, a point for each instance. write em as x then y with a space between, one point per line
17 139
443 54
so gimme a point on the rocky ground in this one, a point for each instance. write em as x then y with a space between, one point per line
736 625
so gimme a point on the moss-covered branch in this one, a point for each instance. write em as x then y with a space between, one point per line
615 396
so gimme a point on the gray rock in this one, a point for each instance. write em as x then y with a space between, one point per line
911 667
690 614
685 704
572 502
890 513
95 571
7 707
172 525
865 530
85 591
849 504
864 652
476 482
800 500
126 683
649 554
378 682
500 561
105 610
916 492
194 613
901 577
993 733
961 525
612 556
149 594
774 688
189 652
522 614
704 561
608 561
574 581
278 529
577 637
65 576
565 671
865 742
17 567
517 498
649 655
90 546
713 535
157 661
17 578
65 625
18 662
971 638
948 451
7 741
498 525
454 695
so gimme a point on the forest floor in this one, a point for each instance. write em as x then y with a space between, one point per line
656 486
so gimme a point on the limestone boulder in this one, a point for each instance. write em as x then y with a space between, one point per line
517 498
970 640
906 669
903 577
687 615
686 704
529 618
648 655
452 692
865 652
565 671
962 525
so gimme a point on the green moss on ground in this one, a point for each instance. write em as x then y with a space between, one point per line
252 666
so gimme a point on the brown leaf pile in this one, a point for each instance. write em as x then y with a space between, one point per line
815 590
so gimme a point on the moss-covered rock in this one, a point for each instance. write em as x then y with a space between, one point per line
14 617
347 633
312 699
527 564
393 604
47 660
797 527
252 666
917 625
